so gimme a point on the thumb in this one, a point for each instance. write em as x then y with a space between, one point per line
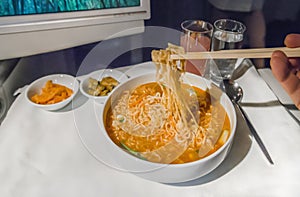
292 40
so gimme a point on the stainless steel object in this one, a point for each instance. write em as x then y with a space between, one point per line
241 69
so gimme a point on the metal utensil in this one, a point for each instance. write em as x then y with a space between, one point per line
241 69
235 93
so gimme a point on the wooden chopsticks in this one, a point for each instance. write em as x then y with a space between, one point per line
238 53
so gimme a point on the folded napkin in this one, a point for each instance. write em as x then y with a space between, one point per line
255 88
277 89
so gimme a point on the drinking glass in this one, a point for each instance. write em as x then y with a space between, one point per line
196 37
228 34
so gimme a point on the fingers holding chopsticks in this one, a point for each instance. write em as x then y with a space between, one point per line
287 70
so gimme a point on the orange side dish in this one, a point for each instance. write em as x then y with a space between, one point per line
52 93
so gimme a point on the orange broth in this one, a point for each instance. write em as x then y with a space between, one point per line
142 144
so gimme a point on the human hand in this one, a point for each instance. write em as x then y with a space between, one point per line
287 70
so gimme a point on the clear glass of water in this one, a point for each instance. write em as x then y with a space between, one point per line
196 37
228 34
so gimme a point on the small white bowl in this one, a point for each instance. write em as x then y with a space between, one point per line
98 75
63 79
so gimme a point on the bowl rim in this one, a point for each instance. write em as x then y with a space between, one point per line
58 105
202 160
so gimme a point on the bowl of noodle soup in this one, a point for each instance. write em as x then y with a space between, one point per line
150 151
168 126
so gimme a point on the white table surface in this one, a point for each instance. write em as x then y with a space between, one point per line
41 154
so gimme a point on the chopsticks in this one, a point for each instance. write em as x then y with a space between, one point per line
237 53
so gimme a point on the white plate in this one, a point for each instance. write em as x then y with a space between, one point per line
91 135
98 75
89 122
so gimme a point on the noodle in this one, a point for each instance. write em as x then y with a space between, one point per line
167 121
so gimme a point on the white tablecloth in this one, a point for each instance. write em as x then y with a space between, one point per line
41 154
